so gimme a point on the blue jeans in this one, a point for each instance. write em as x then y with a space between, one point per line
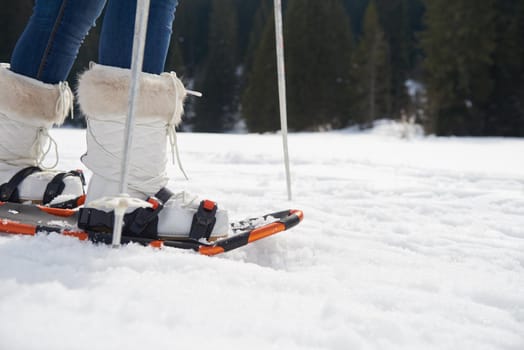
51 40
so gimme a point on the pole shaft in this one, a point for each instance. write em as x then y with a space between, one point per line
282 89
137 61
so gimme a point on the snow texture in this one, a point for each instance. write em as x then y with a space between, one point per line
406 244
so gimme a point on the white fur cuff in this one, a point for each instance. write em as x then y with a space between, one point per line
103 93
26 99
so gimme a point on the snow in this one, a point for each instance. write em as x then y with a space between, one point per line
406 244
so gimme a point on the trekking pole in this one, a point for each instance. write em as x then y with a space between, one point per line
282 90
137 61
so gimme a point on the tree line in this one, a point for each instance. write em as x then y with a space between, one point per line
455 67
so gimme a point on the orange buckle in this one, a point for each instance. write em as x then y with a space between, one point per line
209 205
154 202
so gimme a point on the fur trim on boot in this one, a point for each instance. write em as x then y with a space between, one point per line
103 93
31 101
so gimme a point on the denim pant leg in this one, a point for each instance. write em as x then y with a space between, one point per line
116 42
49 45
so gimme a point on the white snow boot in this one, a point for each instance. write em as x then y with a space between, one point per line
103 95
28 108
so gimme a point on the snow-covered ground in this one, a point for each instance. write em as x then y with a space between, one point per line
406 244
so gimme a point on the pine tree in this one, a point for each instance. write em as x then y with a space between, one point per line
175 58
215 112
260 98
506 108
395 21
371 71
459 43
356 10
246 13
318 48
191 31
262 16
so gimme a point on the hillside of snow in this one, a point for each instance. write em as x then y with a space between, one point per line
406 244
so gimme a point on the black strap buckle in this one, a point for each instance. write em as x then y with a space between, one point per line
91 219
204 220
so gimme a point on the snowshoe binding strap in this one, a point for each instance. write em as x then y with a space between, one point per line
9 190
142 222
57 185
145 216
203 221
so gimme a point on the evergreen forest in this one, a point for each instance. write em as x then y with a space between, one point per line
456 67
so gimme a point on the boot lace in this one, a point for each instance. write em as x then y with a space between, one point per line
65 103
44 142
171 127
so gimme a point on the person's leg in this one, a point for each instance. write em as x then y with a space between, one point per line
104 94
50 42
34 96
116 41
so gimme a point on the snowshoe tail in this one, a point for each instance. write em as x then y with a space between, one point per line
285 220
